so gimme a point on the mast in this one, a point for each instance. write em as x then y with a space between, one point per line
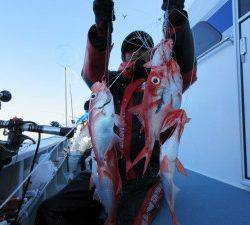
66 100
71 104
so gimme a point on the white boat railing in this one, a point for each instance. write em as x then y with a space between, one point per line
14 176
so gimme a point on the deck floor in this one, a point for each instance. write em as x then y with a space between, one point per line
205 201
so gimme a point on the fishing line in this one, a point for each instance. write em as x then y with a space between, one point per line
194 45
26 186
118 75
125 67
145 44
194 60
107 55
116 78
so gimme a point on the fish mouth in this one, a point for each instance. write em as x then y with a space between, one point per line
106 103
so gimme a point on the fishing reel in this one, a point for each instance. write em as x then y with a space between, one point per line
5 96
14 129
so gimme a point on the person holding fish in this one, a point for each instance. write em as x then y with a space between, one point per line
135 121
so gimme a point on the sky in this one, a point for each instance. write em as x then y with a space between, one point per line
39 37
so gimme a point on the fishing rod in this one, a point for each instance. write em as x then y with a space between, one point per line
16 127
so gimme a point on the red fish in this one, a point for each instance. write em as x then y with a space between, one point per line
158 101
161 54
102 119
168 158
107 191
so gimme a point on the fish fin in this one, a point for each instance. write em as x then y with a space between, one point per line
155 103
129 165
112 171
146 163
174 217
180 167
143 154
138 111
164 167
182 121
171 119
130 173
174 191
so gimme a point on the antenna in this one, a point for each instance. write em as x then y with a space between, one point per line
65 57
71 104
66 98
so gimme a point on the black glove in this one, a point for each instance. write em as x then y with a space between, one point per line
172 4
104 11
177 15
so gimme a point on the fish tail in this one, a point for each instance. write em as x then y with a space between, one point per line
140 156
129 165
164 167
170 192
174 218
173 214
148 158
180 167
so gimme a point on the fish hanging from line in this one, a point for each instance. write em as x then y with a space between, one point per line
169 158
158 101
162 95
161 54
160 111
107 192
105 173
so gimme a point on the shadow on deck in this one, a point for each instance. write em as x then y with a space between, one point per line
205 201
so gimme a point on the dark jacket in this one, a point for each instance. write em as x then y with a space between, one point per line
127 90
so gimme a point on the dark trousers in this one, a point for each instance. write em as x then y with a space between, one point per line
74 205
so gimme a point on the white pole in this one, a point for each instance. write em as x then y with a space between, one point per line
66 100
71 103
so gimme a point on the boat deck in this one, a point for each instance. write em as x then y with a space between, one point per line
205 201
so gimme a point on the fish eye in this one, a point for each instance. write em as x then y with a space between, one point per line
93 95
155 80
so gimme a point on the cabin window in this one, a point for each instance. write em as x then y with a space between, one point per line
244 7
205 37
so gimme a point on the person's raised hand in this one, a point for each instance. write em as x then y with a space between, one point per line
172 4
104 11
